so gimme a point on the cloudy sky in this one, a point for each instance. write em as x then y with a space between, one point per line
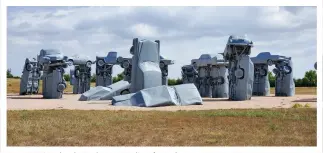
185 32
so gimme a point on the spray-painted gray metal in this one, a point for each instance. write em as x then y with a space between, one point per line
145 72
261 85
284 83
146 82
81 75
209 74
164 63
182 95
104 69
204 80
144 68
126 64
53 63
189 74
106 93
29 81
220 81
241 68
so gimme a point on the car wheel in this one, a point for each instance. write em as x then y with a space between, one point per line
125 64
61 87
263 72
239 73
161 64
270 62
88 64
101 62
29 67
275 71
119 59
287 69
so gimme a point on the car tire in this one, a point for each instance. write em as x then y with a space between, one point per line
239 73
28 67
270 62
289 69
125 64
119 59
100 63
88 64
263 72
61 87
161 65
275 71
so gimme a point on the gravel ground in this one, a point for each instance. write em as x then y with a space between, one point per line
70 101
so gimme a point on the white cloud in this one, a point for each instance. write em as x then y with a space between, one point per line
22 41
185 32
144 30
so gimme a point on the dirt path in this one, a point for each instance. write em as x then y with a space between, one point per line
69 101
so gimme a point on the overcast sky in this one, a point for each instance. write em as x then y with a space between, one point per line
185 32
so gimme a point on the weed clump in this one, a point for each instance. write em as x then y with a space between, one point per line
297 106
307 105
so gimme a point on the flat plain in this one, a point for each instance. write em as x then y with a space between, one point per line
262 121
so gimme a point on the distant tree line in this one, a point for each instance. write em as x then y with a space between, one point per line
9 74
173 82
309 79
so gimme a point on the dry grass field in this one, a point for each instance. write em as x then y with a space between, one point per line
13 87
263 127
231 127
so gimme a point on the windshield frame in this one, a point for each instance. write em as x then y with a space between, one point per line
52 52
155 60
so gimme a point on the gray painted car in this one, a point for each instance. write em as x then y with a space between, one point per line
80 74
241 68
209 74
31 74
53 63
